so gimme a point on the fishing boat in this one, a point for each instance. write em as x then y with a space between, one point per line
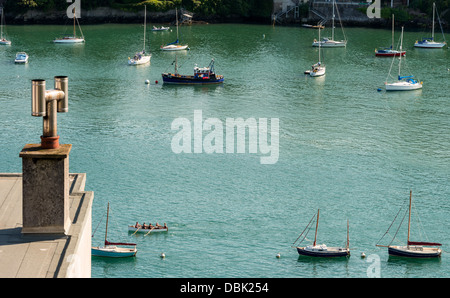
404 83
147 229
317 69
71 39
413 249
3 40
321 250
175 46
114 249
389 52
21 58
162 28
330 42
202 75
141 57
428 42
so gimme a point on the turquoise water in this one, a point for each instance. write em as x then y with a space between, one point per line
344 147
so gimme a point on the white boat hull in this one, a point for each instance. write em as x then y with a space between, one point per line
21 58
329 44
414 251
323 251
113 251
161 29
320 71
403 86
5 42
21 61
69 40
142 60
429 44
174 47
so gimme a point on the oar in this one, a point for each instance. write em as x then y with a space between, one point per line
149 231
136 231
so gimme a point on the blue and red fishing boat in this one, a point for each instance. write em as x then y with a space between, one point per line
202 75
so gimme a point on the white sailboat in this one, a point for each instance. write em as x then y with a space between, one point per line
404 83
413 249
141 57
3 40
331 43
429 42
70 39
113 249
175 46
389 52
317 69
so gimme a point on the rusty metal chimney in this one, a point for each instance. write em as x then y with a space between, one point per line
46 104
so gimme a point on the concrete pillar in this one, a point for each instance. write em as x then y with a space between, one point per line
45 189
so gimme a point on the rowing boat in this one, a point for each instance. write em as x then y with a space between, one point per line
133 229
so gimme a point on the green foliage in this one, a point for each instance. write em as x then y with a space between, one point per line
401 15
245 8
221 8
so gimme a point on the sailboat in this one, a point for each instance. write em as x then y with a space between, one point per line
141 57
331 43
322 250
3 40
404 83
413 249
389 52
174 46
111 249
317 69
429 42
72 38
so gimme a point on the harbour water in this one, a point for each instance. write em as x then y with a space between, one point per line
344 147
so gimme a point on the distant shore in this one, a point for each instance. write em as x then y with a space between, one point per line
105 15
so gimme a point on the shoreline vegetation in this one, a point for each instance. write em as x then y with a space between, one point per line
29 12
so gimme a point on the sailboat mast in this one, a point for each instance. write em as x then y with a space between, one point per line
319 44
1 23
332 20
400 56
432 30
176 16
317 225
392 44
145 22
409 218
74 17
107 216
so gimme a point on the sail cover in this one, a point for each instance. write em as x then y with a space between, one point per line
118 243
424 243
173 42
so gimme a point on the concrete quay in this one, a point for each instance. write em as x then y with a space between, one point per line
25 255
